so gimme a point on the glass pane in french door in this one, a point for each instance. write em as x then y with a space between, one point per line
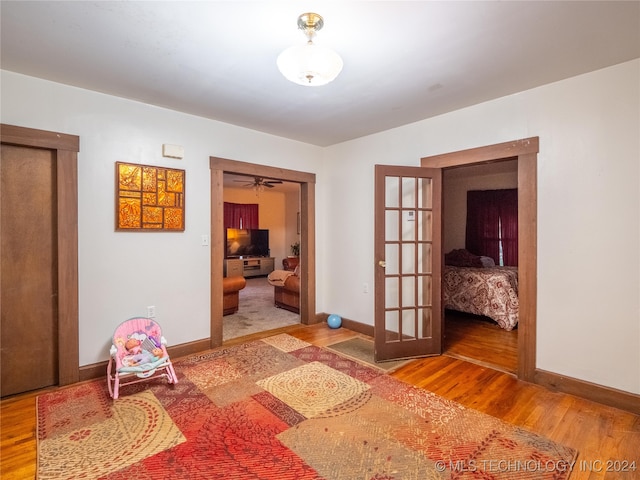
407 260
408 246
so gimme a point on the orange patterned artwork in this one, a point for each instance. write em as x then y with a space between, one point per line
149 198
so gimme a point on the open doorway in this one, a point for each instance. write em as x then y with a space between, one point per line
525 152
469 336
261 227
306 181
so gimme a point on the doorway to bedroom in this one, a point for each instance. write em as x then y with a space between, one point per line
525 153
471 336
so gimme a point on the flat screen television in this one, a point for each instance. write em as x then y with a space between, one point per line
247 242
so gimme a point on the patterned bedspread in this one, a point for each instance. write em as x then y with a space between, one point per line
492 292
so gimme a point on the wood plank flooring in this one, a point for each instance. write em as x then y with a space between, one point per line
602 435
480 340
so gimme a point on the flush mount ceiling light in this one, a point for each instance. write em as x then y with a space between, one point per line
309 64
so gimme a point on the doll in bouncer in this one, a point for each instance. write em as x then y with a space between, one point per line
140 350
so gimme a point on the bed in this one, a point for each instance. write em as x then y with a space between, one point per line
482 290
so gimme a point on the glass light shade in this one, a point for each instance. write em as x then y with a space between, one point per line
309 64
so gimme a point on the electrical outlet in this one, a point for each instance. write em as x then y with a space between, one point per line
151 311
365 288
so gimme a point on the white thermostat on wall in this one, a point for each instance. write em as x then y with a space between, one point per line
172 151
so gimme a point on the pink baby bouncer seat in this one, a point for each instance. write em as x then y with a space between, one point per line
138 353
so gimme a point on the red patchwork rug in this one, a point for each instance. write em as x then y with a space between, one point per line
280 409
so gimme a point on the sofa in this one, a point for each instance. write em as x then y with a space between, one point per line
231 287
290 263
286 285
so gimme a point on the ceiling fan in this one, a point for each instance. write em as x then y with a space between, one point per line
260 183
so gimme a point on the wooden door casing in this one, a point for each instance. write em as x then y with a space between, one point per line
525 151
64 149
307 181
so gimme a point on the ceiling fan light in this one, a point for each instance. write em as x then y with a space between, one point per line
309 64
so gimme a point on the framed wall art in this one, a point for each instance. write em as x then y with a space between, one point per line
149 198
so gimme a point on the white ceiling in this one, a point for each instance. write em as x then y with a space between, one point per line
404 61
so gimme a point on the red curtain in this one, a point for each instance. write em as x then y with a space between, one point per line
241 215
492 224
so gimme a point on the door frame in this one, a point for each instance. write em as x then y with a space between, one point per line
220 166
525 151
65 148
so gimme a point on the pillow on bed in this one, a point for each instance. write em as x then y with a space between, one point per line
487 262
462 258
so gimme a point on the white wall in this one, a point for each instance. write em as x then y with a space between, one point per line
121 273
588 209
292 226
588 214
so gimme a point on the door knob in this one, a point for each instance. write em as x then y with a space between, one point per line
382 263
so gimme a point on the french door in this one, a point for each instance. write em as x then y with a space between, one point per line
408 236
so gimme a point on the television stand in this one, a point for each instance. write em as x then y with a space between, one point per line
248 266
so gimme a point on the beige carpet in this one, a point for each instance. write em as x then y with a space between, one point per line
256 311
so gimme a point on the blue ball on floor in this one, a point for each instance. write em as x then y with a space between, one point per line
334 321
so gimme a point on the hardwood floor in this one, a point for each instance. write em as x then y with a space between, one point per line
480 340
605 437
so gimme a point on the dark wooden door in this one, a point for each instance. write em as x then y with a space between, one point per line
408 232
28 304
